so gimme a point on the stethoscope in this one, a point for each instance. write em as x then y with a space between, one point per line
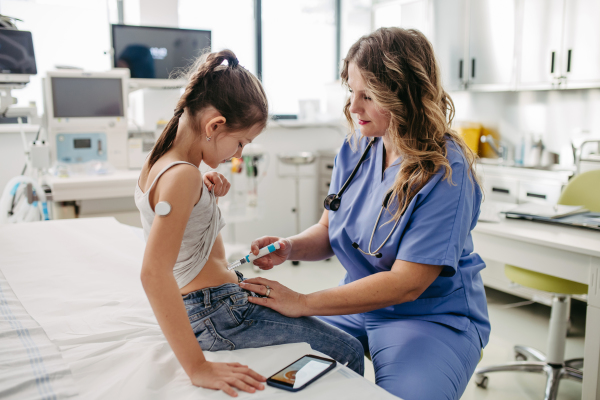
332 203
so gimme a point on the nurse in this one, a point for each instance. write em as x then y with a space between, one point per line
412 293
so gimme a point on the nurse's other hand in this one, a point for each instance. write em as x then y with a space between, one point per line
281 299
275 258
215 180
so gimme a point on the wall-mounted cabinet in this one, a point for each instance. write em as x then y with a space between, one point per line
500 45
541 44
492 26
581 44
449 35
560 44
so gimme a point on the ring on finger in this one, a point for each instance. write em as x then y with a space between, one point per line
268 291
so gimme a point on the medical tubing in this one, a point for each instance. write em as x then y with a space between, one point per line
251 257
22 212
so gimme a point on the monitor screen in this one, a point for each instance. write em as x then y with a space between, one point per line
87 97
16 52
152 52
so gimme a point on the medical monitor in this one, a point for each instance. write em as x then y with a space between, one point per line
74 97
17 59
155 52
86 97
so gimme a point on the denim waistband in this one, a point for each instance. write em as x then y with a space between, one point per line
207 295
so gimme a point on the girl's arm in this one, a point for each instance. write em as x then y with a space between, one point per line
182 189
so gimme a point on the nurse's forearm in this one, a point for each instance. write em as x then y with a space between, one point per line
405 283
312 244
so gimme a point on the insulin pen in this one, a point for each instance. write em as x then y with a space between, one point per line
251 257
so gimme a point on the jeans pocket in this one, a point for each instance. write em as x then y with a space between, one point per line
239 307
209 338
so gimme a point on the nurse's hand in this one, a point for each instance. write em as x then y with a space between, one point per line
215 180
281 299
275 258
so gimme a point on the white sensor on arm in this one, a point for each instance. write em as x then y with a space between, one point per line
163 208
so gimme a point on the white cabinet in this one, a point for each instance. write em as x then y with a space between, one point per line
498 45
581 38
560 46
492 26
449 36
522 185
541 40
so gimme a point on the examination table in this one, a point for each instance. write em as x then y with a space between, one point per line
75 322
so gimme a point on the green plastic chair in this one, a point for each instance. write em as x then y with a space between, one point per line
582 190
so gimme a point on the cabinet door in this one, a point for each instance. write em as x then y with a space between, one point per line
540 53
450 41
581 52
492 44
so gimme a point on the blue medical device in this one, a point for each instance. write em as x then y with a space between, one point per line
75 148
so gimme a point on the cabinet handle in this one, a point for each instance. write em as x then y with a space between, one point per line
473 68
460 68
500 190
536 195
552 64
329 166
569 61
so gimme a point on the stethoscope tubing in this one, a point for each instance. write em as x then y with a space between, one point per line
337 198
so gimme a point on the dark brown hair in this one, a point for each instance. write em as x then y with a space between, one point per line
403 78
231 89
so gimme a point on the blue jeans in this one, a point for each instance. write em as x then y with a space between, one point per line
223 319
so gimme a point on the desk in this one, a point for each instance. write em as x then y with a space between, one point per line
564 252
86 187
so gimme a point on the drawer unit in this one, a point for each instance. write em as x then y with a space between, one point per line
501 189
536 192
522 185
325 162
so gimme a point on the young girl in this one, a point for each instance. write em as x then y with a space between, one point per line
195 298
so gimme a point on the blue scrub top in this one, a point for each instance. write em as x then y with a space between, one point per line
435 229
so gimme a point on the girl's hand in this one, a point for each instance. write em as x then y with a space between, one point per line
275 258
218 181
226 376
281 299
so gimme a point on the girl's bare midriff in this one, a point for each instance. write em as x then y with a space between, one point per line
215 271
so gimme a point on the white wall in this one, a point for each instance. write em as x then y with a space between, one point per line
558 116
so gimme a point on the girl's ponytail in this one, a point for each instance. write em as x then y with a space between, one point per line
231 89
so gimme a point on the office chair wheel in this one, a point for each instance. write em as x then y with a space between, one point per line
520 357
295 263
481 381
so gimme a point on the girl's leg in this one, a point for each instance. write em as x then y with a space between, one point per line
265 327
422 360
223 319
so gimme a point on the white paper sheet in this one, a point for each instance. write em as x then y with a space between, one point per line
31 366
79 280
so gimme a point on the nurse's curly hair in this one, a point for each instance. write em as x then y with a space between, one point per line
217 79
403 79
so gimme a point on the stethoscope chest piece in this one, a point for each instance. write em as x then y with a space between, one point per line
163 208
332 202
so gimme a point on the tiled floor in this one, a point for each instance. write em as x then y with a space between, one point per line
525 325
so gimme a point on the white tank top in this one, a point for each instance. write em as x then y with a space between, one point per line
200 232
